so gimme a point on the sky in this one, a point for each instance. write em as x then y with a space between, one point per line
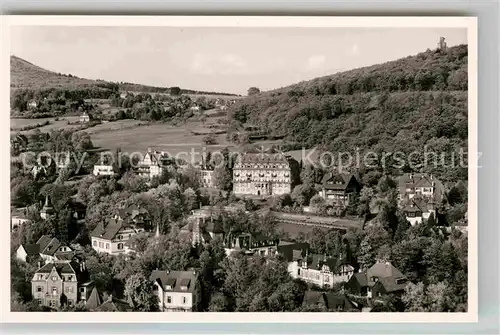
226 60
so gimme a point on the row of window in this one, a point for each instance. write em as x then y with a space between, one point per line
169 300
102 245
69 289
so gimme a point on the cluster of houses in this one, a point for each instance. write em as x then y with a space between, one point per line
63 278
152 164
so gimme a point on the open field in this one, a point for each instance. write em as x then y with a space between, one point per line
61 123
293 230
136 136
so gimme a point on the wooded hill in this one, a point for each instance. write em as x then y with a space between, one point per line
27 76
401 105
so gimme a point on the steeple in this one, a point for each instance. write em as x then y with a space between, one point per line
47 209
48 203
157 234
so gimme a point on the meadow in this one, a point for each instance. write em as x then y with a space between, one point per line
55 123
137 136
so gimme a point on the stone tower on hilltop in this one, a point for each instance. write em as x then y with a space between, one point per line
442 44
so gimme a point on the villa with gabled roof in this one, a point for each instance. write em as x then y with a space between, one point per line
55 284
177 291
420 184
153 163
47 248
382 278
319 269
339 188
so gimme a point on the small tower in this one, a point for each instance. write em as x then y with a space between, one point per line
157 234
47 210
196 231
442 44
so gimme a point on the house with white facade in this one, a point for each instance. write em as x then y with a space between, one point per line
104 170
112 238
264 174
420 184
47 248
84 117
177 291
380 279
18 217
418 210
319 269
153 163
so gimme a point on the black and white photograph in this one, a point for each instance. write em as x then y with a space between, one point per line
242 168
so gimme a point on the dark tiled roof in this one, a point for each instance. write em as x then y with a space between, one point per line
338 301
115 305
417 205
31 249
393 284
47 268
383 270
315 261
94 300
313 298
66 256
43 241
175 279
262 158
340 181
51 247
420 180
361 278
108 232
61 268
292 251
380 271
185 282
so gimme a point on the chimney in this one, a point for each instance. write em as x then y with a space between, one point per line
149 150
39 265
411 176
431 176
110 297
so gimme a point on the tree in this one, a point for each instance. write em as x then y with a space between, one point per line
366 256
219 303
431 221
133 182
253 90
175 91
139 293
191 199
318 203
414 297
210 139
365 199
302 194
81 141
308 174
222 178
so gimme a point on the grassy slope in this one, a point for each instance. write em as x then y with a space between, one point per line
25 75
